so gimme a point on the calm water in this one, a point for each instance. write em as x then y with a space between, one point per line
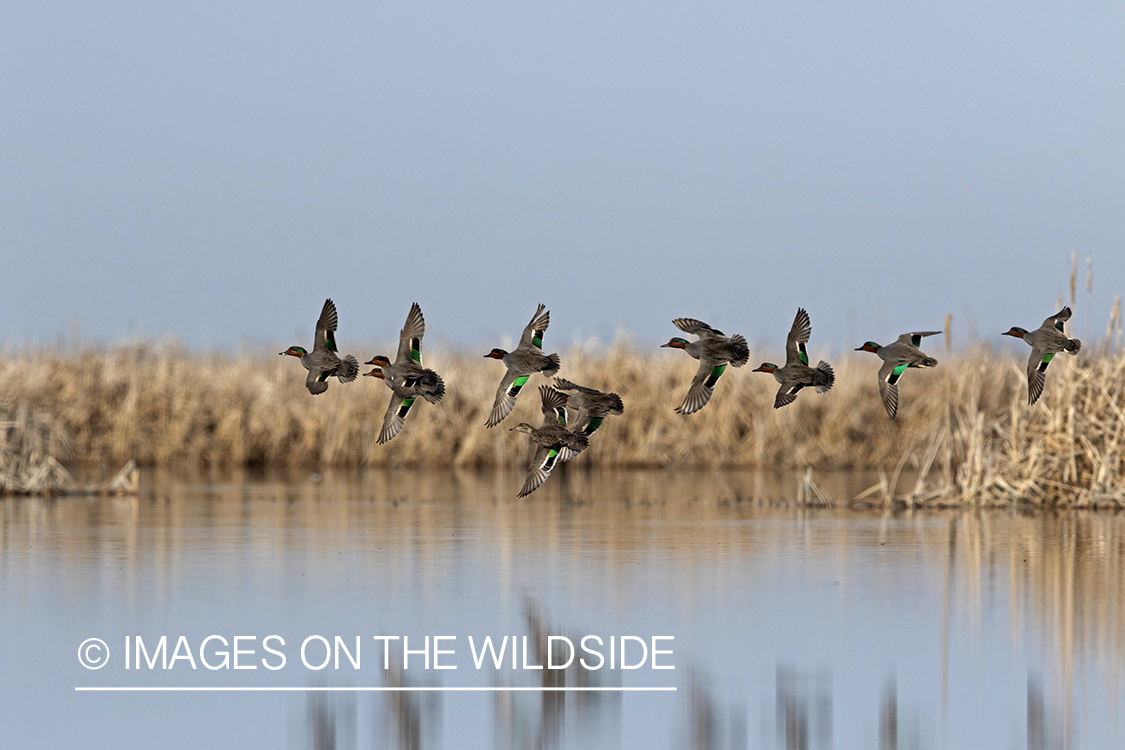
792 627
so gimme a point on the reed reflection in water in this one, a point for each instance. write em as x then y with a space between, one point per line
794 627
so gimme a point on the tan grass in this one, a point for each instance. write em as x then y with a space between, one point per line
964 431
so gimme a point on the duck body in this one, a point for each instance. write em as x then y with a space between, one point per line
521 363
1046 341
897 358
715 351
406 377
796 374
323 361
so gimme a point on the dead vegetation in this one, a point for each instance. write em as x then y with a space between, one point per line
964 432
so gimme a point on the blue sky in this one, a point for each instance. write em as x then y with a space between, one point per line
215 170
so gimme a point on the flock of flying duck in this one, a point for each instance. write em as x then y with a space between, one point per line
560 439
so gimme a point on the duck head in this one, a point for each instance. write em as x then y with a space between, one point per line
376 373
294 351
379 361
522 427
870 346
1019 333
496 354
675 343
765 367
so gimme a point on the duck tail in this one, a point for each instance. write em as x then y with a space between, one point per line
553 365
348 369
431 386
739 350
616 406
823 377
1073 346
928 362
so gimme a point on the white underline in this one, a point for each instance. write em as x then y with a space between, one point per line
375 689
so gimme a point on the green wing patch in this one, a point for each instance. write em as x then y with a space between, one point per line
330 340
404 407
896 374
416 350
802 353
716 373
593 425
537 339
517 385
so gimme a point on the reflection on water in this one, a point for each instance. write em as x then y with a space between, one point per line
794 627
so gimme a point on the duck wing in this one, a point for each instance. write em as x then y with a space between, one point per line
395 417
1056 321
915 338
889 374
798 336
533 334
702 386
325 339
698 327
554 406
542 461
787 394
565 385
316 381
1037 372
410 337
505 401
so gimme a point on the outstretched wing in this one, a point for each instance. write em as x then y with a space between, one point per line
1037 371
786 395
889 375
510 387
326 328
410 337
565 385
316 382
542 462
702 386
533 334
915 338
1058 319
554 406
395 417
698 327
797 338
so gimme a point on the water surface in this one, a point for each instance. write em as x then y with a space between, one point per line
792 626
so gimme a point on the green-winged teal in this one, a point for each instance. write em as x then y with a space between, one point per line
550 440
1046 341
897 357
527 359
323 362
714 352
797 374
406 377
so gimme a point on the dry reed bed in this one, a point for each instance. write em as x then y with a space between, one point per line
964 431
